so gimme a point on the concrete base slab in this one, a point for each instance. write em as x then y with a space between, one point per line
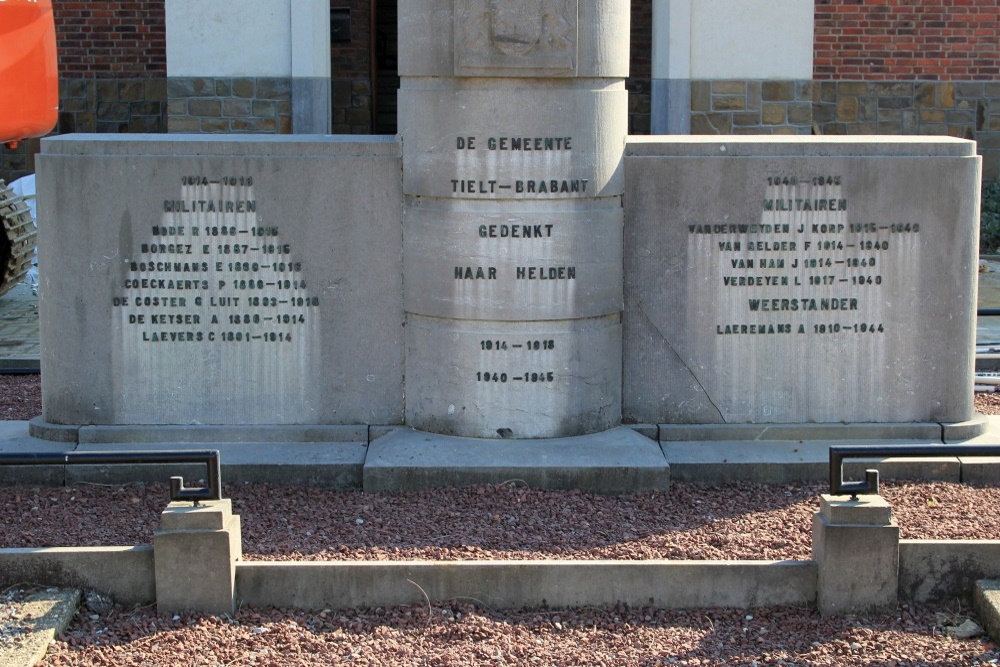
326 464
204 435
801 432
123 573
14 439
988 435
933 571
339 456
780 461
615 461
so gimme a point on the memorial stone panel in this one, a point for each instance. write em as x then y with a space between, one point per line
514 132
806 280
210 281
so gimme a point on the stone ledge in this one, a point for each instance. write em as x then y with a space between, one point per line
986 602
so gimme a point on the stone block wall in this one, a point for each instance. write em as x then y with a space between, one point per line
751 107
213 105
112 105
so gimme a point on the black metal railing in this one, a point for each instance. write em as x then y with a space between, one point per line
838 487
178 491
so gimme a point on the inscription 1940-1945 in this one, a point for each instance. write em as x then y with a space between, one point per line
211 272
806 268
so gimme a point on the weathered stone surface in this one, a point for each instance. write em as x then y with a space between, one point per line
719 320
442 116
311 276
513 379
728 103
200 544
778 91
522 261
858 563
437 40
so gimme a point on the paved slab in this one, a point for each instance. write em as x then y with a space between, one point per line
398 458
614 461
45 615
782 461
19 350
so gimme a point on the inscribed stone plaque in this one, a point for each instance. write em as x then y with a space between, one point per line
513 379
808 281
531 260
516 37
429 47
215 282
510 140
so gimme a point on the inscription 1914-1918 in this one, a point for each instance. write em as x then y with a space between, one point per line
211 272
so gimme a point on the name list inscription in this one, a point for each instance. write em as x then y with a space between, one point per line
806 268
214 272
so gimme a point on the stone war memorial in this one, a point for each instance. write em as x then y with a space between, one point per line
512 288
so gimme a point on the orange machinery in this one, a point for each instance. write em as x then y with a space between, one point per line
29 80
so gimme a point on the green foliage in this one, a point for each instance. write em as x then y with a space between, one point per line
989 219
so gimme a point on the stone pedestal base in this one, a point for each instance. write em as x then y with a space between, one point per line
856 545
196 549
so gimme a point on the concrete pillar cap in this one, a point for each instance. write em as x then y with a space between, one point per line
206 515
867 510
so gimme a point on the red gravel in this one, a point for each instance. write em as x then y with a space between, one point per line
20 397
988 404
457 633
729 521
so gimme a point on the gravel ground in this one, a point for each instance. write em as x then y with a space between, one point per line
458 633
729 521
20 397
742 521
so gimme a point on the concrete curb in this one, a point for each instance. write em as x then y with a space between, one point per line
527 584
46 615
929 571
986 602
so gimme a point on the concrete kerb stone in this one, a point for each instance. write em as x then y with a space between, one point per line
517 584
123 573
986 602
929 571
942 570
45 615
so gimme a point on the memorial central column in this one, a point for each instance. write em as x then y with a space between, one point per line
513 115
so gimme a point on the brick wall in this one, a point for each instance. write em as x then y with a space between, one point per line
112 72
956 40
99 39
